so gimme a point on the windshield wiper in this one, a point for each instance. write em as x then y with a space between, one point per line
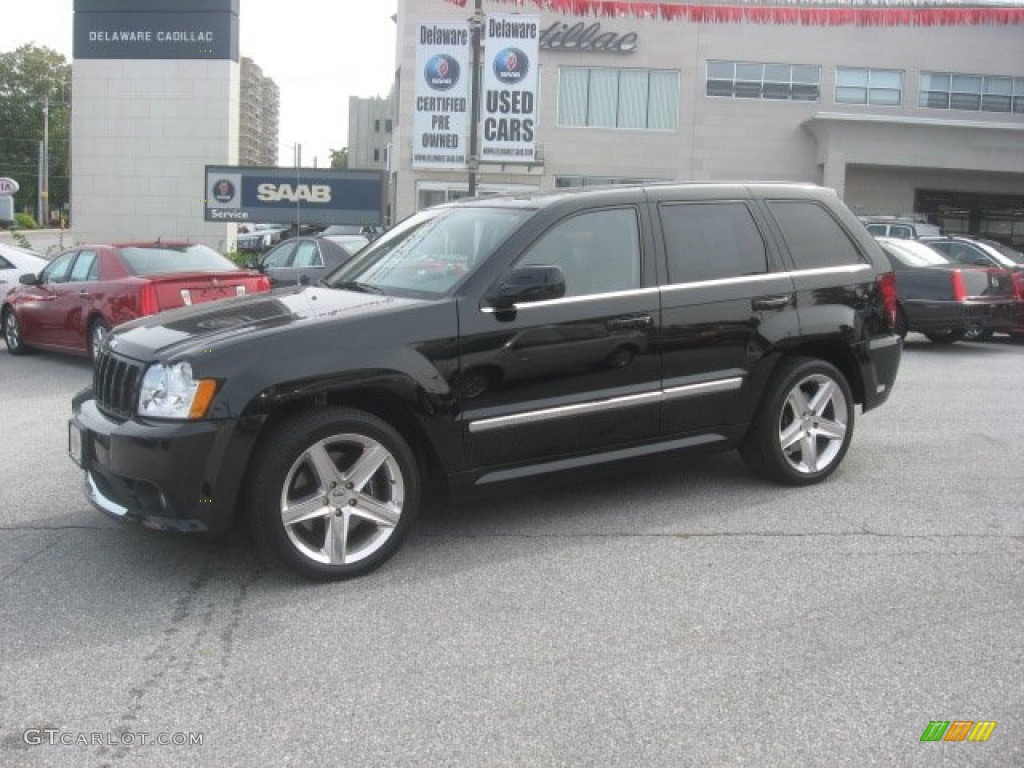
353 285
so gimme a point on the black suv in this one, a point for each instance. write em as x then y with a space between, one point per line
493 340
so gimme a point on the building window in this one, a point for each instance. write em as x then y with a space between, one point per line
879 87
566 182
376 155
639 99
777 82
388 126
973 93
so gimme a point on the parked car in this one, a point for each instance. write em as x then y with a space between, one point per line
900 227
79 296
15 262
983 252
303 260
944 300
256 238
758 316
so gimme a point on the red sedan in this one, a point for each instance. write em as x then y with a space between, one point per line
81 294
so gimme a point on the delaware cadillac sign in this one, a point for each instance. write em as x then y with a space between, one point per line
149 29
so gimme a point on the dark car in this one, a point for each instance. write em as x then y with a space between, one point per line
989 253
944 300
667 318
257 238
303 260
83 293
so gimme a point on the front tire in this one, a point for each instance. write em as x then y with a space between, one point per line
332 493
803 428
12 333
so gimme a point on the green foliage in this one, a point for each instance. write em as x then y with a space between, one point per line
339 158
21 240
30 78
25 221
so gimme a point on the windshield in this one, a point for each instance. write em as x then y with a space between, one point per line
431 251
912 254
1004 254
162 259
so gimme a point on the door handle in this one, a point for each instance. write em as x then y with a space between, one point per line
629 323
771 302
84 293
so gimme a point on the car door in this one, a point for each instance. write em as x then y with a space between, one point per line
42 321
726 301
550 378
278 260
74 299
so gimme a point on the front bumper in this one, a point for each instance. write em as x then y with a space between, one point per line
180 476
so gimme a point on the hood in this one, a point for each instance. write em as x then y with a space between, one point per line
190 330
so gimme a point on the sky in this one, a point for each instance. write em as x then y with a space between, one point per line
319 52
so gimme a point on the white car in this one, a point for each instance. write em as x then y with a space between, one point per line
15 262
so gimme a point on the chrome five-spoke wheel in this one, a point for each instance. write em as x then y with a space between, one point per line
12 333
332 492
812 426
342 499
802 430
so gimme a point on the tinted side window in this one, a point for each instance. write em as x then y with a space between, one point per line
57 270
85 267
599 252
279 257
5 264
709 241
815 239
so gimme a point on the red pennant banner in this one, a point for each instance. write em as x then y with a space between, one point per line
808 14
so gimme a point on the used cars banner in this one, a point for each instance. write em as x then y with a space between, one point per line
441 117
509 108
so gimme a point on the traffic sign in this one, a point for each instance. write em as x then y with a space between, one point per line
8 186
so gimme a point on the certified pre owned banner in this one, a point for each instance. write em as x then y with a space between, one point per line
509 108
441 122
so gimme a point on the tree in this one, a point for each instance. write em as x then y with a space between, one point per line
339 158
32 77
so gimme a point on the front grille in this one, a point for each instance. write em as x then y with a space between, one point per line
115 382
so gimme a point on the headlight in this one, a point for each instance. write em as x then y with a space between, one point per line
170 392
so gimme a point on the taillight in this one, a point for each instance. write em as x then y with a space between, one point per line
959 289
262 284
147 300
887 290
1018 284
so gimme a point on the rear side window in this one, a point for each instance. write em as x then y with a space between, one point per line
814 237
711 241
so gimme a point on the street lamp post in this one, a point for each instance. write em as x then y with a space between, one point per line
476 23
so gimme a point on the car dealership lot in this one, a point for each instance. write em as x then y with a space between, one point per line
685 613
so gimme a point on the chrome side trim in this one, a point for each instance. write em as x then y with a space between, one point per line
547 414
704 388
577 299
610 404
600 458
100 501
767 276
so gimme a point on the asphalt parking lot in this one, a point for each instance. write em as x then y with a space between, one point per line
685 613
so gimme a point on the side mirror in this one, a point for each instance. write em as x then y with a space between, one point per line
254 263
28 279
526 284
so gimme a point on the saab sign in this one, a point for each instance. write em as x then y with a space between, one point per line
323 196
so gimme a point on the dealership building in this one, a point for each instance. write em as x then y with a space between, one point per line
911 106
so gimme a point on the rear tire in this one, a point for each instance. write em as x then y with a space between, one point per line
945 337
804 425
332 493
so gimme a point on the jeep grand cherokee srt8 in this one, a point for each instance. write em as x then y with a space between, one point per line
496 340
